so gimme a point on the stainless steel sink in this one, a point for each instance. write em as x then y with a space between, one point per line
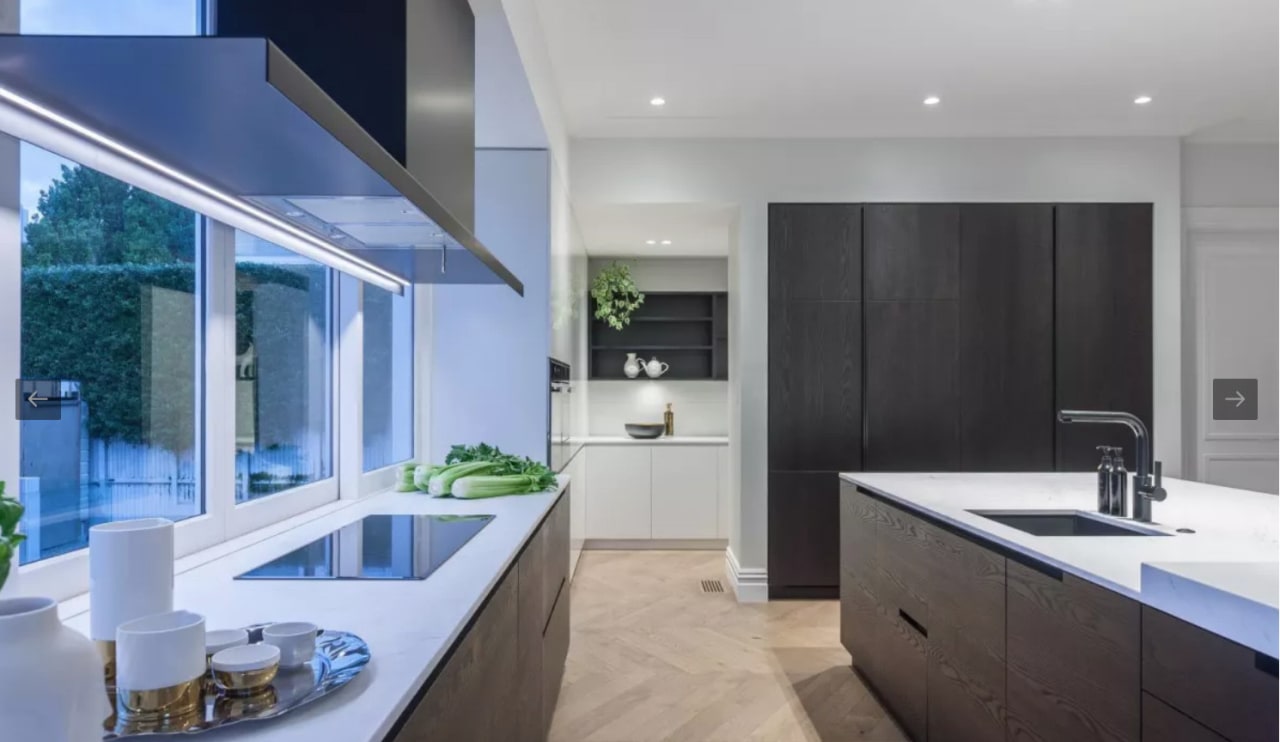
1063 523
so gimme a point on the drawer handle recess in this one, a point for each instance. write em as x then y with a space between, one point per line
914 623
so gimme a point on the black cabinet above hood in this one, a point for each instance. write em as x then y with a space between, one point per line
233 124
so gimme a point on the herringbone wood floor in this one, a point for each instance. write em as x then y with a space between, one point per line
654 658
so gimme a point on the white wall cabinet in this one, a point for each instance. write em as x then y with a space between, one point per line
664 491
684 492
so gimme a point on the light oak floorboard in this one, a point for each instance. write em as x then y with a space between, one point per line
652 657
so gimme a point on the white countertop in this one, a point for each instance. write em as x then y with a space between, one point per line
1231 527
672 440
409 625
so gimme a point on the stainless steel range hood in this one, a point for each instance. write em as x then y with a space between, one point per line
237 121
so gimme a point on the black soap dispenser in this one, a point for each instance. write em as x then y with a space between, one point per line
1119 483
1106 471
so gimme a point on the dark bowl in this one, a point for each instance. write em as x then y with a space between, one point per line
645 430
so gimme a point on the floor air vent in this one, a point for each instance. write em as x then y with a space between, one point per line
712 586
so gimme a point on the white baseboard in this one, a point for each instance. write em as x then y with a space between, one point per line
751 585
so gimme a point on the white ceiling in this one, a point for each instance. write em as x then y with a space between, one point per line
622 230
857 68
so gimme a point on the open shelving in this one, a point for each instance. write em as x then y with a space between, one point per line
688 330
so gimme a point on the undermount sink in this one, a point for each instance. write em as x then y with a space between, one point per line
1063 523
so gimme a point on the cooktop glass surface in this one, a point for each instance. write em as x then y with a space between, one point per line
377 547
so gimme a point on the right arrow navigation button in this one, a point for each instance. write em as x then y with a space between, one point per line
1235 399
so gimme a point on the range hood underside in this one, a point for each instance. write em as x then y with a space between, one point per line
238 115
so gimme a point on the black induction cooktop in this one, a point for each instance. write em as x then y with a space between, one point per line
376 547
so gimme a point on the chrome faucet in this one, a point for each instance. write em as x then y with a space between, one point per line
1146 480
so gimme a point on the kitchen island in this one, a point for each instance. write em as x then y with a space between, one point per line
972 629
476 648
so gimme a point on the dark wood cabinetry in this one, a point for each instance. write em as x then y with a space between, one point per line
805 507
944 337
1102 293
1222 685
1006 337
502 678
966 640
912 394
1073 658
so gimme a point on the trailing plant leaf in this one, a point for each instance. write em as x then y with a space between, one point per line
616 295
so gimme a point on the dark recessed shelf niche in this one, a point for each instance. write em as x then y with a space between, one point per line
688 330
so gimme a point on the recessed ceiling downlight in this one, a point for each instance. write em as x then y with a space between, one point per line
666 242
650 242
658 101
932 100
1142 100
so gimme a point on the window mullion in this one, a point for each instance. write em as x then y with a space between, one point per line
349 384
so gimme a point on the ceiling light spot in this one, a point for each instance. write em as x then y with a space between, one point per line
293 214
658 101
666 242
650 242
1142 100
932 100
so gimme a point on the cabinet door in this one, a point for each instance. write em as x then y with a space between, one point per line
904 562
618 503
1073 658
912 394
1163 723
966 640
859 619
555 650
815 252
556 527
1006 337
804 534
531 612
1103 314
1225 686
684 492
912 252
815 386
472 696
901 677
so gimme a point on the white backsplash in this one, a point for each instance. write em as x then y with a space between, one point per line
701 407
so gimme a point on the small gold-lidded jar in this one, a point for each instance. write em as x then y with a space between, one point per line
245 670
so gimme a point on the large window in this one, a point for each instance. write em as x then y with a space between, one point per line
283 368
388 377
108 308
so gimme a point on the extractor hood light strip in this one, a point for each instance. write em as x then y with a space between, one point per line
29 121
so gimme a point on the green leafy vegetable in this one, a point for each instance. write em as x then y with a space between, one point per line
504 465
442 482
10 516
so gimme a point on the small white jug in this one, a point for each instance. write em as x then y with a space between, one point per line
656 368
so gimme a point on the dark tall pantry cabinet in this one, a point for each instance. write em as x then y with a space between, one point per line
942 337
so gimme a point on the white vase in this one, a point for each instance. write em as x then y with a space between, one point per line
632 366
51 686
130 576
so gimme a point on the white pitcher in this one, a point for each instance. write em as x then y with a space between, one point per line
632 366
656 368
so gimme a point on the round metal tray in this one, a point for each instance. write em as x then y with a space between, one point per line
340 656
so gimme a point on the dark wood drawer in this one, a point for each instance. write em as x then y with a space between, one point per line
555 649
556 547
1163 723
858 516
1073 654
1226 686
901 672
904 559
532 617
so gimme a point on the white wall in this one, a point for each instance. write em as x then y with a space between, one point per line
489 345
1230 174
752 173
671 274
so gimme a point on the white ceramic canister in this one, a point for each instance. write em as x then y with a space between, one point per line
130 576
51 686
160 664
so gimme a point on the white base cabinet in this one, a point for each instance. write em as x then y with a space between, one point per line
660 492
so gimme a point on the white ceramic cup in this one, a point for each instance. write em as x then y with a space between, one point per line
160 651
296 640
130 573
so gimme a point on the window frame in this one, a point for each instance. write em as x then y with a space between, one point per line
385 477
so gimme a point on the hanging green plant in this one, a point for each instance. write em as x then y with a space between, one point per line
10 516
616 295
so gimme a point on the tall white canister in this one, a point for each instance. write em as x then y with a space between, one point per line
130 576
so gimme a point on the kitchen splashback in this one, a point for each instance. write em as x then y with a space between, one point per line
701 407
